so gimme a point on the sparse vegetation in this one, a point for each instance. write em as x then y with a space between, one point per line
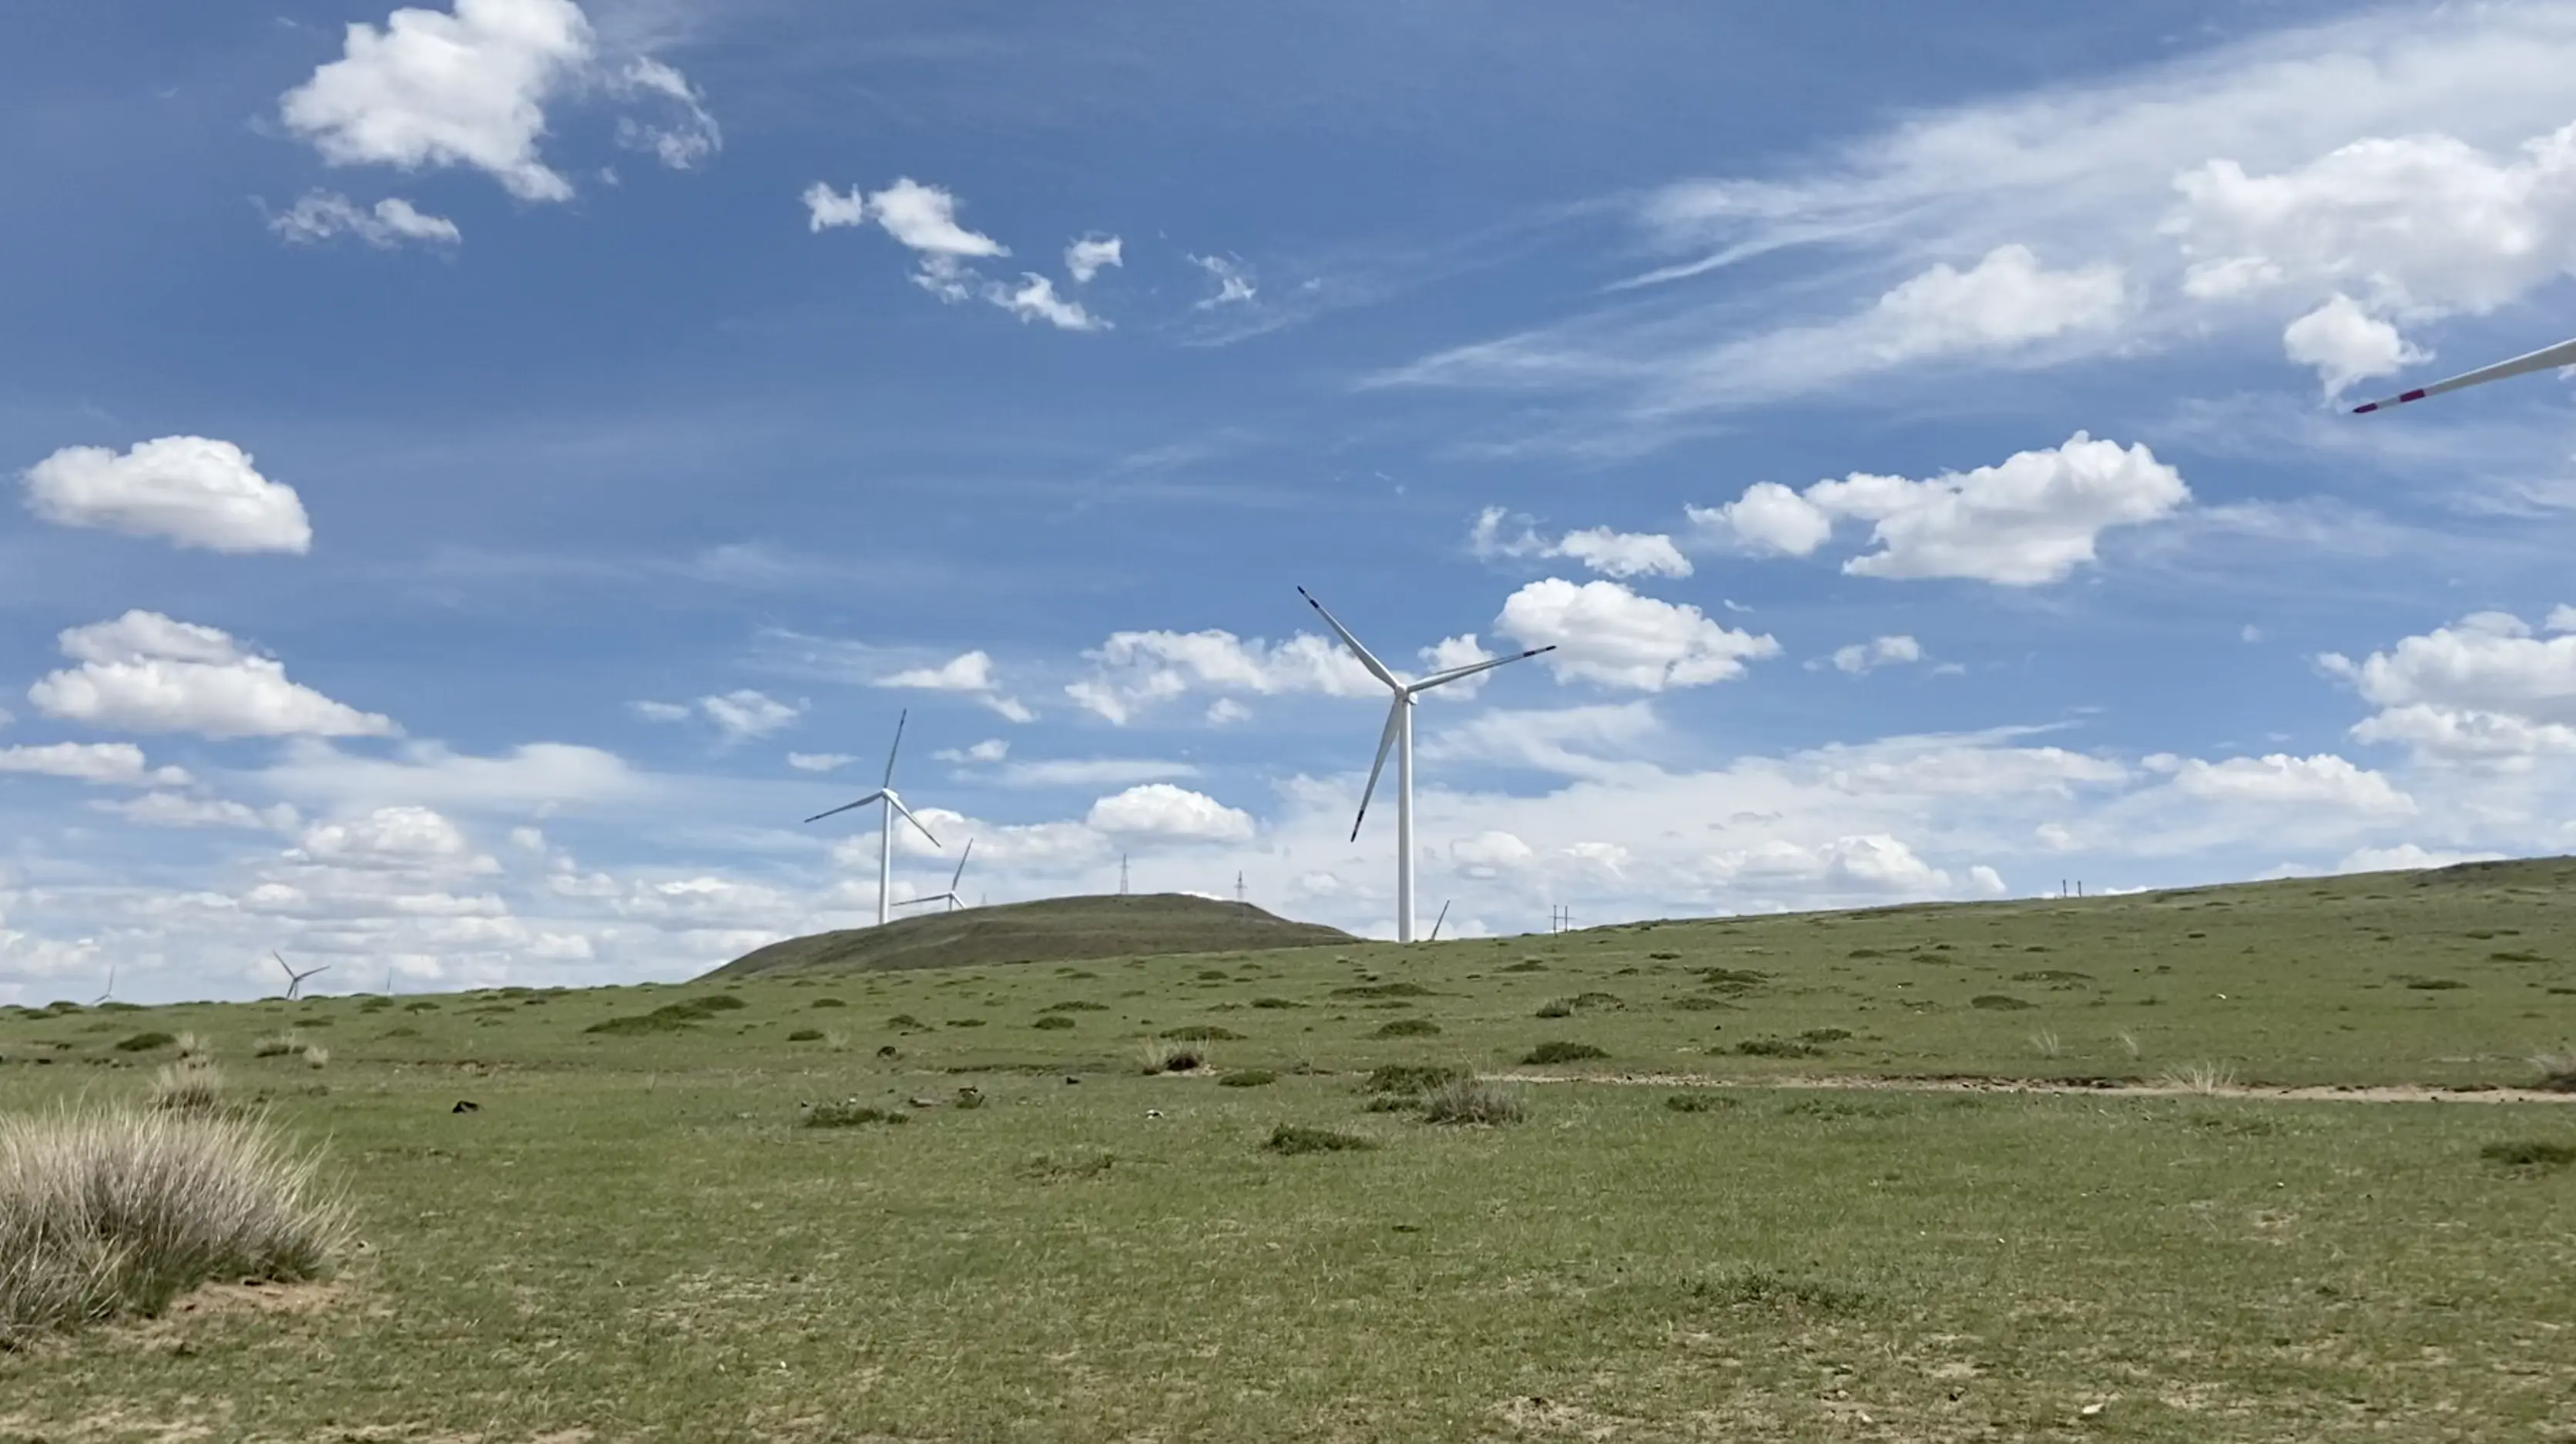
806 1035
1778 1048
850 1113
145 1042
192 1085
1408 1028
1698 1102
1248 1078
1054 1022
1204 1033
1759 1288
1472 1100
2001 1003
1292 1139
1562 1051
277 1045
2528 1154
1409 1078
2201 1077
1163 1055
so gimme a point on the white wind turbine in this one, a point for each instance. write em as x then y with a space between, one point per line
955 901
1399 735
294 979
2547 358
886 816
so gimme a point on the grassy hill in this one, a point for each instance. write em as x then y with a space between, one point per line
1051 930
1740 1206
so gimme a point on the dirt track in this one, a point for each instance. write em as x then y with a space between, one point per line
2329 1093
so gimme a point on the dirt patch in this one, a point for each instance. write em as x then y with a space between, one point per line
2091 1087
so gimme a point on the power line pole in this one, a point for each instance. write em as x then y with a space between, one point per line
1122 874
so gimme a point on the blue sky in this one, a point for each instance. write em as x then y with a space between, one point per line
474 469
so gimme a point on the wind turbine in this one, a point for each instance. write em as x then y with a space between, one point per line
295 980
110 994
950 897
885 829
1399 735
2547 358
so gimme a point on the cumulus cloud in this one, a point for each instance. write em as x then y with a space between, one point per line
991 749
2407 857
323 215
1860 657
191 490
101 762
432 89
1612 553
1573 741
144 672
1135 670
744 714
923 219
2483 690
2345 345
1233 282
684 134
1490 854
1035 299
1158 811
171 809
819 761
410 837
2027 521
1608 634
1089 256
2323 780
2005 300
969 673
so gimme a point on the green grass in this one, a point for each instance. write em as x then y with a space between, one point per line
637 1234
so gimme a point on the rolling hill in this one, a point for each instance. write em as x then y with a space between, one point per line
1051 930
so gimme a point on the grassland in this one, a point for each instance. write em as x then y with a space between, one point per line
636 1234
1068 929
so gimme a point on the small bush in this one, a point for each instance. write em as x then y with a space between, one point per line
420 1005
1471 1100
1204 1033
1276 1003
905 1021
1053 1021
1778 1048
1384 990
1164 1056
2201 1078
315 1057
1066 1167
827 1003
660 1020
848 1113
1733 980
1215 975
1525 965
2000 1002
111 1212
1248 1078
1825 1035
806 1035
1292 1139
2434 985
1698 1102
1076 1005
2052 975
1411 1077
1663 957
2527 1154
1408 1028
278 1045
2517 955
1561 1051
145 1042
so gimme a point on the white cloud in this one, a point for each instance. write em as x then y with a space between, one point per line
2481 690
1091 771
1860 657
192 490
827 209
819 761
1574 741
432 89
2407 856
1612 553
1490 854
923 218
1090 255
532 777
1159 811
322 215
406 837
170 809
1225 712
103 762
745 714
146 673
2346 345
1139 669
970 673
2005 300
2030 520
688 136
2324 780
660 711
1608 634
1036 300
991 749
1233 282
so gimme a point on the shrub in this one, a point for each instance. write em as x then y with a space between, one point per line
1698 1102
1561 1051
420 1005
1384 990
1778 1048
1290 1138
1248 1078
827 1003
806 1035
2530 1155
1733 980
1276 1003
1170 1057
1762 1288
278 1045
1825 1035
145 1042
1053 1020
1525 965
1076 1005
1471 1100
110 1212
1663 957
660 1020
2201 1078
1204 1033
1408 1028
2434 985
2000 1002
849 1114
905 1020
1411 1077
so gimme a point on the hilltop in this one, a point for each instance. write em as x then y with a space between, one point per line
1051 930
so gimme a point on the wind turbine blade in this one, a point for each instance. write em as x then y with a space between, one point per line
1472 668
1385 742
846 806
960 875
908 817
1436 922
2547 358
1376 668
899 719
282 963
914 902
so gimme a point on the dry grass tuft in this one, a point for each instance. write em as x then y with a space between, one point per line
192 1085
2557 1072
196 1045
2045 1043
1472 1100
1163 1055
277 1045
105 1212
2201 1077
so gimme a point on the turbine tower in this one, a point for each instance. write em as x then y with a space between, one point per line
951 897
885 829
2547 358
1399 736
294 979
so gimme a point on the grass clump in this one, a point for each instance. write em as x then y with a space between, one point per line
278 1045
1748 1288
2000 1003
2557 1072
2201 1078
1076 1005
1204 1033
192 1085
670 1017
1384 990
849 1113
1169 1056
806 1035
1698 1102
2531 1155
1293 1139
145 1042
827 1002
1248 1078
1052 1021
114 1212
1276 1003
1561 1051
1411 1077
1778 1048
1408 1028
1472 1100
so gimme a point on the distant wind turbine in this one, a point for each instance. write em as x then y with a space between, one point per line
1399 736
2547 358
885 830
295 980
110 994
1436 922
951 897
